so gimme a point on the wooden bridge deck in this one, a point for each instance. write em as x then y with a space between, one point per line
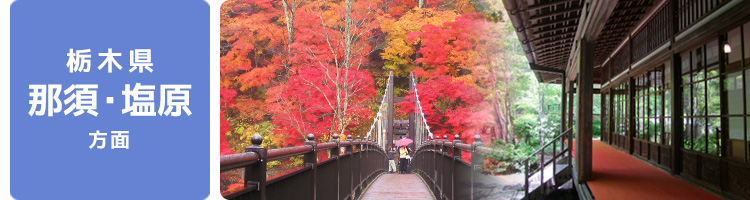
398 186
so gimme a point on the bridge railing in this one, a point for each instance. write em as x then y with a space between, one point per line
535 164
350 167
440 164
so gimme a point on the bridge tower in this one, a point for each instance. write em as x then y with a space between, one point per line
390 111
413 116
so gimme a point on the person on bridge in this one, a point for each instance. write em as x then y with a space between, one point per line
391 162
402 159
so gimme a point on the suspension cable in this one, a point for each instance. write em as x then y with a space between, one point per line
419 105
380 110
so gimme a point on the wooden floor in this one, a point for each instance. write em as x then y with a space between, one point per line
617 175
398 186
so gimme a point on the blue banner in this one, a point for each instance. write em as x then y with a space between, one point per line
109 99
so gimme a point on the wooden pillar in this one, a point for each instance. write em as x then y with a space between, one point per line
724 102
311 159
571 89
603 105
259 173
477 162
584 127
358 187
610 118
563 105
676 92
350 151
631 115
334 154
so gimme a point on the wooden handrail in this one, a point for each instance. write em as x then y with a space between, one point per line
234 161
276 154
463 146
546 145
327 145
363 161
431 155
525 162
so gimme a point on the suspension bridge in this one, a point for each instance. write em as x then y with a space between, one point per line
654 64
356 168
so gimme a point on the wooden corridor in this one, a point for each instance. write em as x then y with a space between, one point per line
617 175
397 186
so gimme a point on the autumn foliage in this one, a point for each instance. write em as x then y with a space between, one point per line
304 103
448 105
293 67
446 51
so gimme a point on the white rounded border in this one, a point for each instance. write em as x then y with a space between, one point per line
214 5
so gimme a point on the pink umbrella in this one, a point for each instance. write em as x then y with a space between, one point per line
404 142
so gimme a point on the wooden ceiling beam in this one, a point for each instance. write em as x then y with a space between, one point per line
623 22
605 40
547 5
552 54
557 58
614 35
561 50
557 64
555 29
626 16
616 29
560 21
608 41
619 35
605 45
603 52
549 72
556 13
631 8
553 42
555 46
540 68
556 37
573 31
605 48
552 51
552 59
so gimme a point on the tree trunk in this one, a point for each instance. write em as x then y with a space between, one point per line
509 108
289 12
542 118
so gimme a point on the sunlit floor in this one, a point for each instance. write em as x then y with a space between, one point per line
616 175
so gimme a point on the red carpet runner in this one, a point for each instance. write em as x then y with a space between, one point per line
616 175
